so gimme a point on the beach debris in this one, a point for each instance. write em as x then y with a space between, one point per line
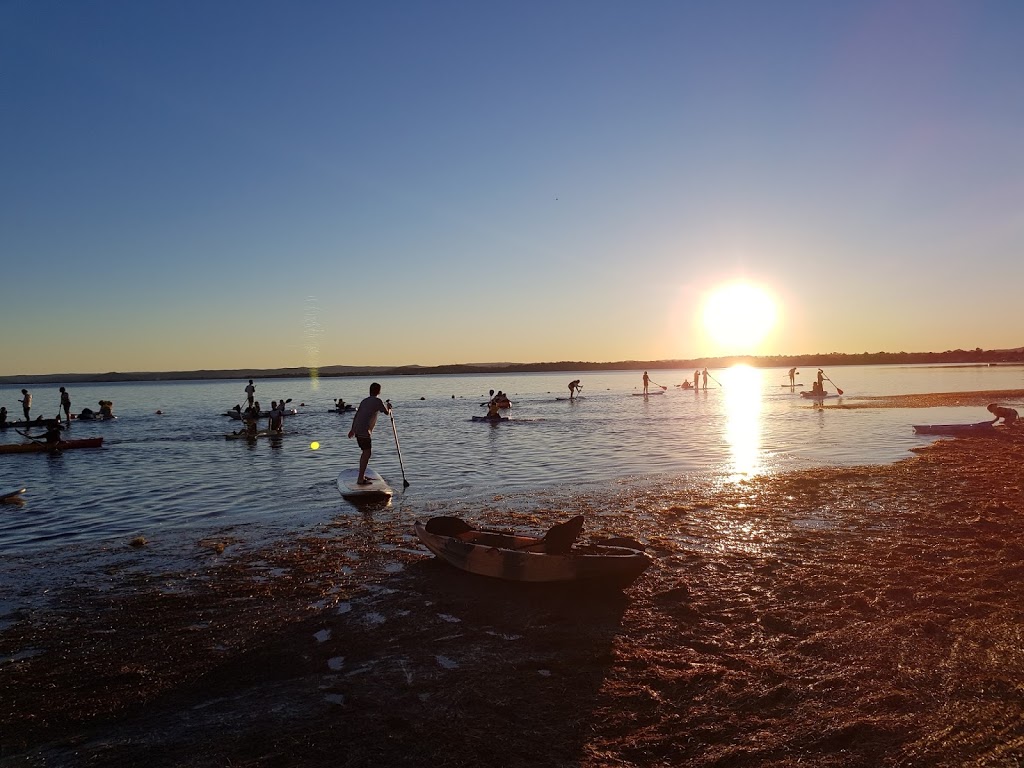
322 636
445 663
335 698
336 663
138 541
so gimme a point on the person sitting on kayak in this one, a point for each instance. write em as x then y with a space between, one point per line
1008 415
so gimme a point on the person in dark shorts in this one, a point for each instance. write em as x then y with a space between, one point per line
65 404
26 403
362 428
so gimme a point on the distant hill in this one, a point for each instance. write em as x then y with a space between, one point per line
817 360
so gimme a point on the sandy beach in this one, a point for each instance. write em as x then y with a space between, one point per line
865 616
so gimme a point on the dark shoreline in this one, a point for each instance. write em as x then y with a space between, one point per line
977 357
864 616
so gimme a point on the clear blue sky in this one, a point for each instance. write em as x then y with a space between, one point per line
264 184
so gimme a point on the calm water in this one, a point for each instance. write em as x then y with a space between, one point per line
176 472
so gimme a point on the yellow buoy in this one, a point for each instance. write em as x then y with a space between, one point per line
314 445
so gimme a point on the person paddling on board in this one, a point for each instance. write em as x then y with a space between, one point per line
492 410
705 375
819 387
65 404
250 393
1008 415
26 403
574 387
362 428
792 377
647 382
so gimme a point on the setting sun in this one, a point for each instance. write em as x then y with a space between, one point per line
739 316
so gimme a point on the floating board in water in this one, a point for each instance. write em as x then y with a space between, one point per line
376 490
646 394
818 395
490 418
578 397
979 428
798 384
346 409
262 433
11 495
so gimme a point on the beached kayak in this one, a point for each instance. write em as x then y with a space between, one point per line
63 445
978 428
549 558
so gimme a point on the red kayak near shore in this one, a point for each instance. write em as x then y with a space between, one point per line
62 445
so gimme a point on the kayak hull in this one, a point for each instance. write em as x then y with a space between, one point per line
63 445
978 428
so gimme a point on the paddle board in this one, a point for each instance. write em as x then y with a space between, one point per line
377 490
642 394
578 397
13 494
489 418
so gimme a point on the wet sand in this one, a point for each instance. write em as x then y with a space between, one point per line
839 617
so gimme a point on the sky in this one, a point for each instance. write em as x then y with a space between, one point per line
188 184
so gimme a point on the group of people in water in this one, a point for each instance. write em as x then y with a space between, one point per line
106 410
250 415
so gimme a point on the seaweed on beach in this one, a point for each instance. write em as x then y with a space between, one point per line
865 616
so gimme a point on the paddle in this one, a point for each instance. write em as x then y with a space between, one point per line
715 380
397 446
838 390
652 381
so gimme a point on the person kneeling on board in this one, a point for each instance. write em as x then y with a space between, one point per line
1008 415
492 410
362 428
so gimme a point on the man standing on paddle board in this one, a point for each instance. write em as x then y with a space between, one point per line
362 427
250 393
647 381
792 377
65 404
26 403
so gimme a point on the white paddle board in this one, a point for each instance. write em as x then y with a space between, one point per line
13 494
647 394
376 490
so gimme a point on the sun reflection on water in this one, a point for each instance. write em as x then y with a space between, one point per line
742 390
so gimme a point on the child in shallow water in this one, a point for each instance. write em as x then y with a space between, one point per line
1008 415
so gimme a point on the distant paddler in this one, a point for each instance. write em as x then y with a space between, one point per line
574 388
65 404
792 376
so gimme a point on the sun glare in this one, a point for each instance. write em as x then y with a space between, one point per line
739 316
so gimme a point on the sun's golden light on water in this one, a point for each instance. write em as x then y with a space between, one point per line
739 316
741 388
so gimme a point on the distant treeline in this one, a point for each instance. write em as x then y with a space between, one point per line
818 360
